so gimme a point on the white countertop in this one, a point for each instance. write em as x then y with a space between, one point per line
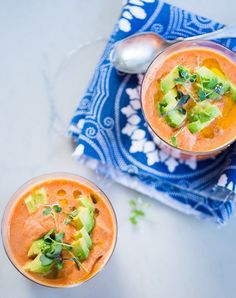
169 254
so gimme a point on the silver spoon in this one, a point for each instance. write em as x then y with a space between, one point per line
135 53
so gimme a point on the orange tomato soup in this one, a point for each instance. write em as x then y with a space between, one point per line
24 228
221 130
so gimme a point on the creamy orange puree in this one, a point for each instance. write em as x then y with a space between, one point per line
25 227
222 130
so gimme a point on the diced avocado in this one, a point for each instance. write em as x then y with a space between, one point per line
233 91
196 126
168 102
204 111
80 249
168 82
84 219
39 197
86 201
82 233
206 74
37 267
36 247
202 115
30 204
175 118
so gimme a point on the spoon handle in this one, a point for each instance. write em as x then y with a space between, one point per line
226 32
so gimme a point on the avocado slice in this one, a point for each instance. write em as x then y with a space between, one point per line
168 82
84 219
202 115
233 91
39 197
30 204
37 267
86 201
176 117
204 111
168 102
36 248
208 75
82 233
80 249
196 126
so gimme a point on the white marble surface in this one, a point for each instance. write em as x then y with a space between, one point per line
167 255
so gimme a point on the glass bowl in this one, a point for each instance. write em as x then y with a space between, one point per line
150 76
29 185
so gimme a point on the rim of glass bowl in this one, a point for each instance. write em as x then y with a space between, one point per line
34 182
210 45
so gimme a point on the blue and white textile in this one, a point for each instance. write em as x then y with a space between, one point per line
110 132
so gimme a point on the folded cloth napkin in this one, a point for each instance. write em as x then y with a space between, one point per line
111 135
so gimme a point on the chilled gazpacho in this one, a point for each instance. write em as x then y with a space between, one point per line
59 231
189 96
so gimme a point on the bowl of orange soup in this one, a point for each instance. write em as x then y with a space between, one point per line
189 99
59 230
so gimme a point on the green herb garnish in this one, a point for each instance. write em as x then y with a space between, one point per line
137 211
71 216
182 98
47 211
59 264
59 236
52 210
57 208
52 250
45 261
202 95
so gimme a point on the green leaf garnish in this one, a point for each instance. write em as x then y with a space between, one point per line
59 264
47 211
68 220
52 210
182 111
70 216
137 211
59 236
183 72
54 251
48 235
45 261
193 78
182 98
180 81
133 220
53 248
202 95
57 208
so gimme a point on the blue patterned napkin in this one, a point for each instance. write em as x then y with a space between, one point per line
111 135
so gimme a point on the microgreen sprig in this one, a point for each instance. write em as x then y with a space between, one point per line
52 210
70 216
137 211
185 79
51 251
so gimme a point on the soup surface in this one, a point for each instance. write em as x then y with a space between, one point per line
61 232
189 99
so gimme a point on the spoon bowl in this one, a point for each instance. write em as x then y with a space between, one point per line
134 54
